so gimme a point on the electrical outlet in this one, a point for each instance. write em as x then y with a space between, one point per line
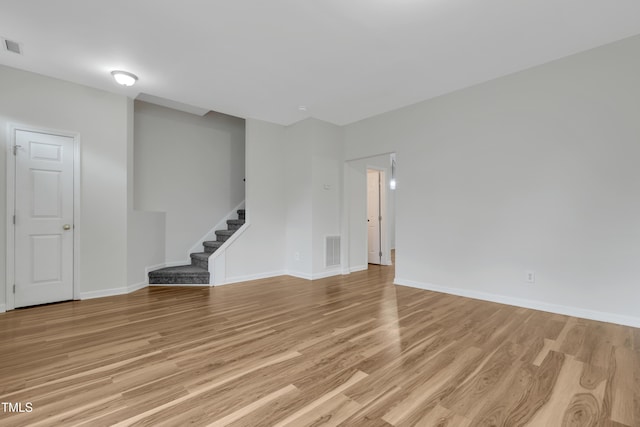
530 276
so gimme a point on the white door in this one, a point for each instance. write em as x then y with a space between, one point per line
44 218
373 217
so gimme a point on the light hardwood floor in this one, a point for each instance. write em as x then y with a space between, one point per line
351 350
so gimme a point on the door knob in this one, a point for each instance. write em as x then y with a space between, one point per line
66 227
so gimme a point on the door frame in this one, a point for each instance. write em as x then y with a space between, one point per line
349 222
12 128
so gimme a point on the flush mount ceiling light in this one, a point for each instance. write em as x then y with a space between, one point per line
124 78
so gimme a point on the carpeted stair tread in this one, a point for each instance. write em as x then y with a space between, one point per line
200 259
181 269
210 246
198 271
179 275
235 224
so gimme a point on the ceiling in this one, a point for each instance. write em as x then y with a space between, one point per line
344 60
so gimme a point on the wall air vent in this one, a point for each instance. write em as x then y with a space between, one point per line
332 255
12 46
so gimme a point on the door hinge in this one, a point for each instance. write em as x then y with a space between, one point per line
380 254
15 149
14 288
380 218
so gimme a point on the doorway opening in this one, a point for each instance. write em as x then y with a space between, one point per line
369 222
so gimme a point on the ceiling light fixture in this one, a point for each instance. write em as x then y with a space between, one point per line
392 182
124 78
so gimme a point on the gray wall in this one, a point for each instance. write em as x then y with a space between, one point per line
326 189
533 171
299 196
313 158
101 119
189 167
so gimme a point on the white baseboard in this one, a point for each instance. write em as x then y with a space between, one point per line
306 276
325 274
3 308
113 291
358 268
247 278
103 293
600 316
298 274
136 287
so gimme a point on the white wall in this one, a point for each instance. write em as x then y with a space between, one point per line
313 159
101 119
313 162
298 190
145 230
533 171
289 209
259 252
326 191
146 245
189 167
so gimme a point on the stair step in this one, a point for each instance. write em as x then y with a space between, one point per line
184 274
198 271
210 246
234 224
200 259
223 235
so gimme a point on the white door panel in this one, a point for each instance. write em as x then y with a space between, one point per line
44 218
373 216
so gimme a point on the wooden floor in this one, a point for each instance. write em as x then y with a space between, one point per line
352 351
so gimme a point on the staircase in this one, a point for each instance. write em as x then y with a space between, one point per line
198 271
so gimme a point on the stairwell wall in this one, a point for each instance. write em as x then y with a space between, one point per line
189 167
259 252
145 230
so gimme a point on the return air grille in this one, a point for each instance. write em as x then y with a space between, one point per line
12 46
332 256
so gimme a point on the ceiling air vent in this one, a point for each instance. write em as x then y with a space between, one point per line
12 46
